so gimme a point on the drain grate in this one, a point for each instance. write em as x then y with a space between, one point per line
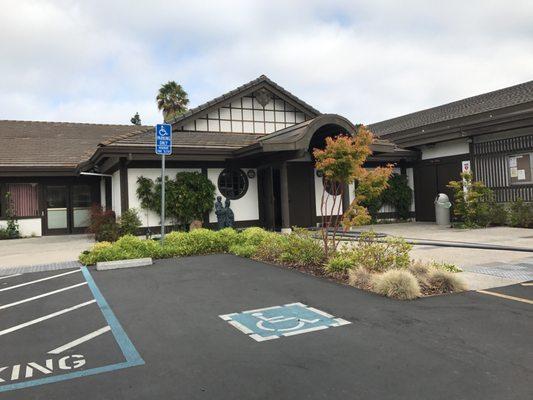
519 271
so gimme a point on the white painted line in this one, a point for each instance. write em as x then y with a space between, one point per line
295 304
261 309
259 338
504 296
78 341
227 317
8 276
41 296
325 314
316 328
240 327
37 320
40 280
527 284
341 322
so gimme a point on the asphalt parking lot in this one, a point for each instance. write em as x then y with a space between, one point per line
222 327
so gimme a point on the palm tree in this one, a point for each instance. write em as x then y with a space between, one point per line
172 100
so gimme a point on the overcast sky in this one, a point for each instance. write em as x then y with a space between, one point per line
101 61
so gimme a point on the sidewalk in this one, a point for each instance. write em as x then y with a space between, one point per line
42 250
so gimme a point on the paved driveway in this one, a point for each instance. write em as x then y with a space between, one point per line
42 250
185 328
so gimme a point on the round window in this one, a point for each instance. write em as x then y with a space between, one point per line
232 183
333 188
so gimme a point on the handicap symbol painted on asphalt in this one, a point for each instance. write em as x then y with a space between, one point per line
288 320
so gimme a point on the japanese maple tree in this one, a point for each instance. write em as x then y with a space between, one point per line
341 162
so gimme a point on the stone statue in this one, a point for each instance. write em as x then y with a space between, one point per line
220 212
230 217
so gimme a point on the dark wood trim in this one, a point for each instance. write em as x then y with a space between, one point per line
206 214
124 200
108 193
285 224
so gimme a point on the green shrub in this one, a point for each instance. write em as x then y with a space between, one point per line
4 234
254 235
302 250
445 282
521 214
380 256
227 237
129 222
271 248
339 264
473 207
397 284
444 266
243 249
499 214
187 197
399 195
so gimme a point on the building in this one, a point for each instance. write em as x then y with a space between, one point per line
493 131
254 143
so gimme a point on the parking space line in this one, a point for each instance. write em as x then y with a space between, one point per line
41 295
505 296
39 280
8 276
80 340
44 318
128 349
527 284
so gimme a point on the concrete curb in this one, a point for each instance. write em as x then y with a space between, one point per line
136 262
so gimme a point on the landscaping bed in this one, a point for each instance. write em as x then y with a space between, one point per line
383 267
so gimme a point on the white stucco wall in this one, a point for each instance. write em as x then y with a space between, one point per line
247 207
115 193
27 226
149 218
319 187
445 149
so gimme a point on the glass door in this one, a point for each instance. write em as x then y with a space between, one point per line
57 220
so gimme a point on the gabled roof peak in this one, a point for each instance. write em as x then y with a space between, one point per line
245 88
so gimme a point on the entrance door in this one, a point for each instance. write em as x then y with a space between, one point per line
301 194
431 178
57 215
67 208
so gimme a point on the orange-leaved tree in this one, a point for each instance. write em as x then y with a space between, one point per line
341 163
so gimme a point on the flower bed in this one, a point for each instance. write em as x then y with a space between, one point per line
382 267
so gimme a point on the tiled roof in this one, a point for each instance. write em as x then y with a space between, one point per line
54 144
510 96
191 139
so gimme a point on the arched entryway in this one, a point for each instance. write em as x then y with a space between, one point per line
292 188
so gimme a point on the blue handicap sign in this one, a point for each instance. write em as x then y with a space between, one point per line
288 320
163 139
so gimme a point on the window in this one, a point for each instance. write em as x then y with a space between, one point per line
520 169
24 199
232 183
331 187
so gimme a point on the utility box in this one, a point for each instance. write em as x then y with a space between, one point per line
442 209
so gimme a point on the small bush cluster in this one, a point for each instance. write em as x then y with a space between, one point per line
297 249
379 265
105 227
384 266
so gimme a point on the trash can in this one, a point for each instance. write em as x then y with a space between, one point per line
442 209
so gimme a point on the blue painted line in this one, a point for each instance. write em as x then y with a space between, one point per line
65 377
133 358
127 347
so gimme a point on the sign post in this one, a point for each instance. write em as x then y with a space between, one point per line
163 147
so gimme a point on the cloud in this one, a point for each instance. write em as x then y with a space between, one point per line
101 61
